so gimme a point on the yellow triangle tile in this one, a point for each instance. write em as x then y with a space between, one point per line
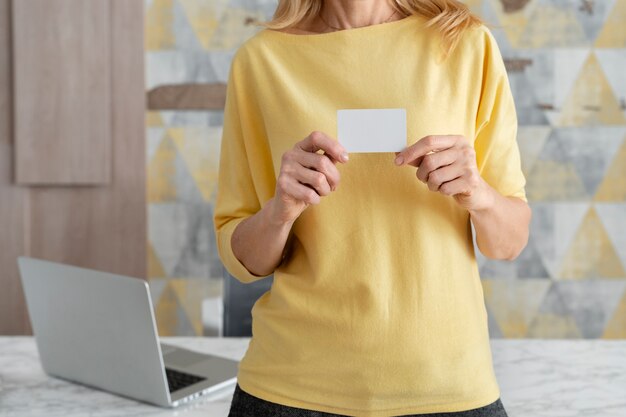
190 293
161 173
155 268
613 34
166 312
591 100
474 5
154 119
512 325
531 140
159 21
550 326
513 23
232 31
613 186
487 288
203 17
552 180
565 30
514 303
199 148
616 326
591 253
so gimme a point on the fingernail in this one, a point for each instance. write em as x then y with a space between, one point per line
399 160
344 156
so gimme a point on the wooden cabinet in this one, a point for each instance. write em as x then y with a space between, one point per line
72 140
62 91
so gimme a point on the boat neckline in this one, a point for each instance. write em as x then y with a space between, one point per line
345 32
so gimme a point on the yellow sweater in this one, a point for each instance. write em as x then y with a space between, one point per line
378 310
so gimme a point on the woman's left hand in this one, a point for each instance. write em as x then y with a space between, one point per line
447 164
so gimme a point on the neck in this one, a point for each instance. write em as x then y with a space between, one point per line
347 14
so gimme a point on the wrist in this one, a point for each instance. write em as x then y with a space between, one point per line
273 219
485 201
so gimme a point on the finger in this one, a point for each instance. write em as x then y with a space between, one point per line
320 141
444 174
300 191
456 186
321 163
426 144
418 161
435 161
315 179
414 163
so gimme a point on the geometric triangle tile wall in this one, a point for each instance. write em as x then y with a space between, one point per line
566 65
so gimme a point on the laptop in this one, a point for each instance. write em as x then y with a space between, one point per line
98 329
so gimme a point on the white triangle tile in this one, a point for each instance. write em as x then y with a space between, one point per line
553 116
156 285
567 65
154 137
568 219
613 63
613 217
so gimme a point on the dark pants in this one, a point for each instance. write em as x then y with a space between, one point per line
247 405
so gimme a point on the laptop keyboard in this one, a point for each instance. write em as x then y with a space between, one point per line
177 380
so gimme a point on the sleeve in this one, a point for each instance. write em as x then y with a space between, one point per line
236 194
497 151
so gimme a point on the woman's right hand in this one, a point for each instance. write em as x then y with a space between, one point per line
305 175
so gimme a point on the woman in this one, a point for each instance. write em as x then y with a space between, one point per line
376 308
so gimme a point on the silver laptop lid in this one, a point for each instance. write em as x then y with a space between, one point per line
95 328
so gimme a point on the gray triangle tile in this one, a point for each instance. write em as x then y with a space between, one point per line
553 302
183 118
530 264
185 36
220 62
539 74
199 249
480 258
184 327
527 106
178 66
589 149
552 228
167 229
494 328
591 302
186 189
592 15
494 268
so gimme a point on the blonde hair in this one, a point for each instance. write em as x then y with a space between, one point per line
450 17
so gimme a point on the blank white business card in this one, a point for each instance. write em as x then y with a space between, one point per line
372 130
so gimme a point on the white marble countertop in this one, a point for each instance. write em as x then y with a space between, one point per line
537 378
